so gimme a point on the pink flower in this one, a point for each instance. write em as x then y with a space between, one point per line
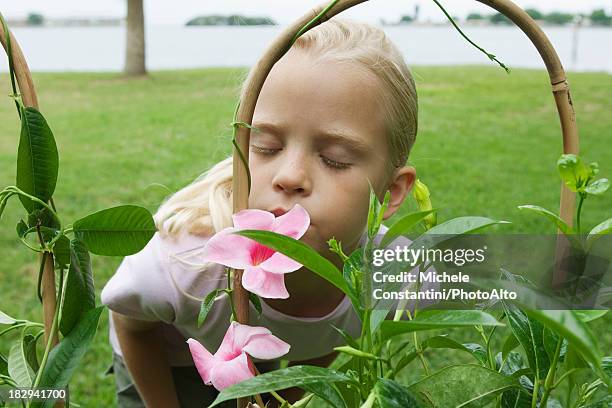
230 364
264 268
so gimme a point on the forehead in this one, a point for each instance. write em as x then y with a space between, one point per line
311 93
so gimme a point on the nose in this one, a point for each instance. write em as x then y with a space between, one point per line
293 176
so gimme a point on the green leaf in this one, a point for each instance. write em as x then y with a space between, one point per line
374 210
296 376
510 344
351 272
18 367
407 358
566 324
327 392
391 394
256 302
37 159
573 171
43 217
606 363
573 359
3 365
403 225
29 345
512 367
6 319
458 386
347 337
444 342
462 225
118 231
377 317
207 304
80 295
604 402
590 315
566 229
383 209
600 229
438 319
65 357
355 352
301 253
21 228
61 251
530 334
598 187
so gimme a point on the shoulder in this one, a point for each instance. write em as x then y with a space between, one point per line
142 287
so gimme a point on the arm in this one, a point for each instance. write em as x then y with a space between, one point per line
141 344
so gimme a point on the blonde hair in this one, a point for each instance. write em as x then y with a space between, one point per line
205 206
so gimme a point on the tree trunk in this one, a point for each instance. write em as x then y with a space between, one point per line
135 45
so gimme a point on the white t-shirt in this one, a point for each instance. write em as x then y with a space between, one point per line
143 288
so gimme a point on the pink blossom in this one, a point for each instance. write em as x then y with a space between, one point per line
264 268
230 364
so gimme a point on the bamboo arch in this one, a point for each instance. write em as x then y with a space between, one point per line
281 45
255 80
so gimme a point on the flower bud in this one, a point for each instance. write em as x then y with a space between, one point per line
421 195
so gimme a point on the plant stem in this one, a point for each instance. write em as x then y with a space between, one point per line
278 397
578 211
312 22
550 377
17 190
369 403
418 348
490 56
229 293
534 396
40 274
18 324
274 394
48 347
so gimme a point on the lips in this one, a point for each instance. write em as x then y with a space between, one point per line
278 212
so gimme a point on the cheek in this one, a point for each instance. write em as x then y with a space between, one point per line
349 201
258 183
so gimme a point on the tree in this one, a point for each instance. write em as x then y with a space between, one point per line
558 18
499 18
35 19
599 17
406 20
135 45
535 14
475 16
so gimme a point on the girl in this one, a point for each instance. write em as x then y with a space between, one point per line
336 113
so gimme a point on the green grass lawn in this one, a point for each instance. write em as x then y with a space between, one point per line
487 142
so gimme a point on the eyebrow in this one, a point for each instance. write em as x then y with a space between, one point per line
333 136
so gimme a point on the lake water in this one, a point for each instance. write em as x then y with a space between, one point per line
102 48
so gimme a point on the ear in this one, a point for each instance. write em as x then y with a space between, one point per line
399 186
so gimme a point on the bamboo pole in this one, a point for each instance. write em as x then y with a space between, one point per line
565 108
29 98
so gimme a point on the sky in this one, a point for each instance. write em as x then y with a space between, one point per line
178 12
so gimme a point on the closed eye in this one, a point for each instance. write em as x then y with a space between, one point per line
332 164
263 150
